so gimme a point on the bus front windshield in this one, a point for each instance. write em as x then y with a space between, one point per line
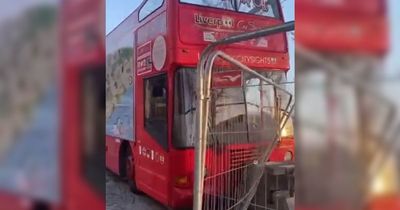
243 114
266 8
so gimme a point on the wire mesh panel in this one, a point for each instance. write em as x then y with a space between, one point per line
244 117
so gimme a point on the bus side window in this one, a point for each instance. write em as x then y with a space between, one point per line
155 108
149 7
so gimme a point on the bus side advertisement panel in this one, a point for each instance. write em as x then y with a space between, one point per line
119 82
204 27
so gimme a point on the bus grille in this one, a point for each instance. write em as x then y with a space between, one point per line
241 157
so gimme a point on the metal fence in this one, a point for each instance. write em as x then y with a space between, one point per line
239 125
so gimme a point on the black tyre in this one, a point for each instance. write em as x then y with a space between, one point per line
130 171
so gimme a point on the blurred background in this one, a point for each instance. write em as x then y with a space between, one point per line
29 99
347 120
52 104
347 91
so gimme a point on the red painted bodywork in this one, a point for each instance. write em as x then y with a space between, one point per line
385 202
353 26
10 201
185 41
82 44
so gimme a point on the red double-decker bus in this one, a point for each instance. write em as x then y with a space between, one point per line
151 60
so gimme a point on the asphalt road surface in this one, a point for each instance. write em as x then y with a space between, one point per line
119 197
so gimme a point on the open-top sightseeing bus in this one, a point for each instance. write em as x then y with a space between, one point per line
151 88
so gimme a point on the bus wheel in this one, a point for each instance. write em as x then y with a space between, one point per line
130 171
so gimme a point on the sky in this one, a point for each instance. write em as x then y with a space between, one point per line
393 61
118 10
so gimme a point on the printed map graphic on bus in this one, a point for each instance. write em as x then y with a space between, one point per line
119 94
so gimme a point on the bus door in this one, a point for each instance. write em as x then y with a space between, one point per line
151 165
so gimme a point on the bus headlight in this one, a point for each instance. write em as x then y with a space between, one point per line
385 181
182 181
288 156
287 131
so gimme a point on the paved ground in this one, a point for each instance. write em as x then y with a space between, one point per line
118 197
